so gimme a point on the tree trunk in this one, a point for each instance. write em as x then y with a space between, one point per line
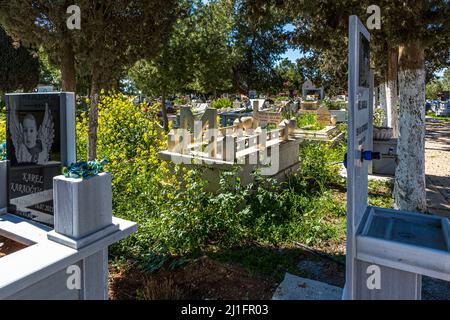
93 117
68 73
383 105
376 97
164 110
391 91
409 191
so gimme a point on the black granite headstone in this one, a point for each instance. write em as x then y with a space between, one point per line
40 141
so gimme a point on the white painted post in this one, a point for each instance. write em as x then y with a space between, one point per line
83 215
229 148
82 207
3 186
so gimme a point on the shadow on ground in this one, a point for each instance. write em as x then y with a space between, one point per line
438 195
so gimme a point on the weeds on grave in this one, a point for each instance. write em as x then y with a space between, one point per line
308 121
222 103
333 105
177 219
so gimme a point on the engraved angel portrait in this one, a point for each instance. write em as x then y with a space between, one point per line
32 143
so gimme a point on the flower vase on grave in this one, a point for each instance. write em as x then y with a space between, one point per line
83 209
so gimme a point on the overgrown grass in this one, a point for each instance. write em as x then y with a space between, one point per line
434 116
189 221
381 194
308 121
178 220
446 119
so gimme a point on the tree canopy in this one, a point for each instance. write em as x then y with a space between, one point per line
19 68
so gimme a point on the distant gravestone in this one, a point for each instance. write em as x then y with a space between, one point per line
324 116
308 87
42 89
236 104
40 141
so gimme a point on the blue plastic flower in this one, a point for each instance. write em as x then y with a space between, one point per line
85 170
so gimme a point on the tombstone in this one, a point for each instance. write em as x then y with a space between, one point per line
236 104
257 103
43 89
324 116
201 107
263 118
388 250
40 141
207 121
341 97
309 87
293 107
443 108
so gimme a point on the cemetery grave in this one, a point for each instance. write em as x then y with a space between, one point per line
443 109
245 143
308 89
324 128
62 225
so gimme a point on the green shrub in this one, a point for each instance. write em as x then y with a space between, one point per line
176 216
222 103
308 121
319 165
333 105
283 98
378 117
3 124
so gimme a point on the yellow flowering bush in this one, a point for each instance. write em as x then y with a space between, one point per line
163 198
3 128
175 215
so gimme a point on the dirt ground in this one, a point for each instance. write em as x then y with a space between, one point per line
8 246
437 166
203 279
207 279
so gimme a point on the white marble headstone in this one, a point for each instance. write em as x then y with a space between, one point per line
360 86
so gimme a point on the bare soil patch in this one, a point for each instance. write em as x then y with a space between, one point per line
200 280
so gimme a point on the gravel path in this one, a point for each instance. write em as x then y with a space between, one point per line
437 166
